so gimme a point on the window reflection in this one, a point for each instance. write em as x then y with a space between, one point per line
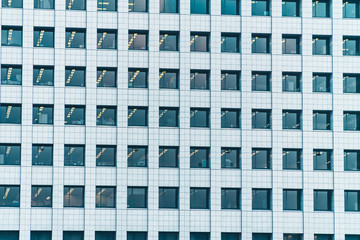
75 76
11 75
352 200
168 41
260 7
43 76
137 5
9 196
105 197
138 78
322 159
230 118
351 160
261 81
351 83
321 45
230 157
291 82
199 117
230 42
43 114
168 117
168 156
168 78
44 4
322 120
137 197
261 118
199 157
261 158
230 7
291 8
137 156
41 196
199 198
351 46
10 113
292 199
10 154
168 197
169 6
106 39
107 5
291 119
323 200
351 9
106 115
76 4
42 154
230 198
43 37
260 43
105 155
230 80
74 155
75 38
291 44
137 116
292 159
199 42
11 36
74 115
199 79
138 40
73 196
261 199
352 121
106 77
12 3
321 8
199 6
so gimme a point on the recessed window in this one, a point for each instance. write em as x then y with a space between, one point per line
9 235
137 6
291 82
230 198
323 200
137 116
230 42
199 236
230 157
75 76
352 237
290 8
199 117
137 236
168 79
292 199
43 37
321 45
261 118
169 6
322 159
351 160
11 36
261 199
230 80
40 235
75 38
292 236
351 46
74 115
199 79
105 197
230 7
106 77
292 159
73 196
106 39
105 155
351 9
105 235
199 198
199 157
74 155
168 236
291 119
106 116
43 114
168 117
291 44
351 121
260 43
137 40
199 6
199 41
322 120
323 236
41 196
321 8
106 5
230 118
76 4
44 4
10 154
137 198
42 154
261 81
9 196
260 8
10 113
137 156
168 157
43 76
352 200
73 235
138 78
322 82
11 75
261 158
12 3
351 83
168 197
168 41
230 236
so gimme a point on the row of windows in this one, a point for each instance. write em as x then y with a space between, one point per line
137 156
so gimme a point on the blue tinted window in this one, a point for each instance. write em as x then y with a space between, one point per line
12 3
11 36
230 7
199 6
43 37
169 6
44 4
11 75
260 8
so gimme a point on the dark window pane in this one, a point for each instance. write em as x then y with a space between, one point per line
199 6
9 196
168 79
42 155
74 155
199 198
199 117
74 115
230 80
168 236
323 236
322 200
168 197
351 83
137 116
11 75
321 8
106 39
230 236
105 235
261 236
106 77
261 158
11 36
43 37
168 41
352 121
12 3
351 160
292 199
43 114
293 236
10 113
73 196
75 76
260 8
230 157
136 235
105 197
73 235
106 115
199 79
137 6
230 198
199 42
261 199
9 235
138 78
137 197
230 118
322 159
199 236
107 5
352 200
43 76
76 4
105 155
292 159
10 154
168 117
291 119
168 156
321 120
44 4
261 119
261 81
230 7
291 8
137 40
199 157
169 6
137 156
75 38
230 43
40 235
41 196
291 82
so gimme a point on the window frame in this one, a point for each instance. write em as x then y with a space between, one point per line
145 196
330 199
99 161
298 83
83 107
131 41
68 78
237 37
194 36
268 43
9 68
45 29
329 159
37 192
298 119
15 187
36 108
328 126
74 146
69 201
11 106
77 30
193 112
138 108
107 31
13 28
162 40
99 189
268 118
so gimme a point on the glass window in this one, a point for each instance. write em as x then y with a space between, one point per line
137 6
168 236
105 235
321 8
260 8
199 117
230 236
199 236
260 43
351 46
322 120
106 77
292 236
261 118
42 154
261 81
321 82
168 78
230 80
107 5
43 114
292 159
199 198
261 158
76 4
322 159
261 199
41 196
137 116
230 7
169 41
230 42
352 237
75 38
351 83
11 75
138 40
168 156
74 115
75 76
73 196
12 3
352 200
136 235
10 113
40 235
9 196
168 117
199 42
137 197
323 200
351 160
44 4
74 155
291 82
323 236
230 198
351 9
292 199
199 79
291 119
199 157
137 156
230 157
230 118
43 37
199 6
106 115
138 78
168 197
73 235
321 45
43 76
261 236
169 6
106 39
11 36
291 44
291 8
10 154
105 197
105 155
352 121
9 235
